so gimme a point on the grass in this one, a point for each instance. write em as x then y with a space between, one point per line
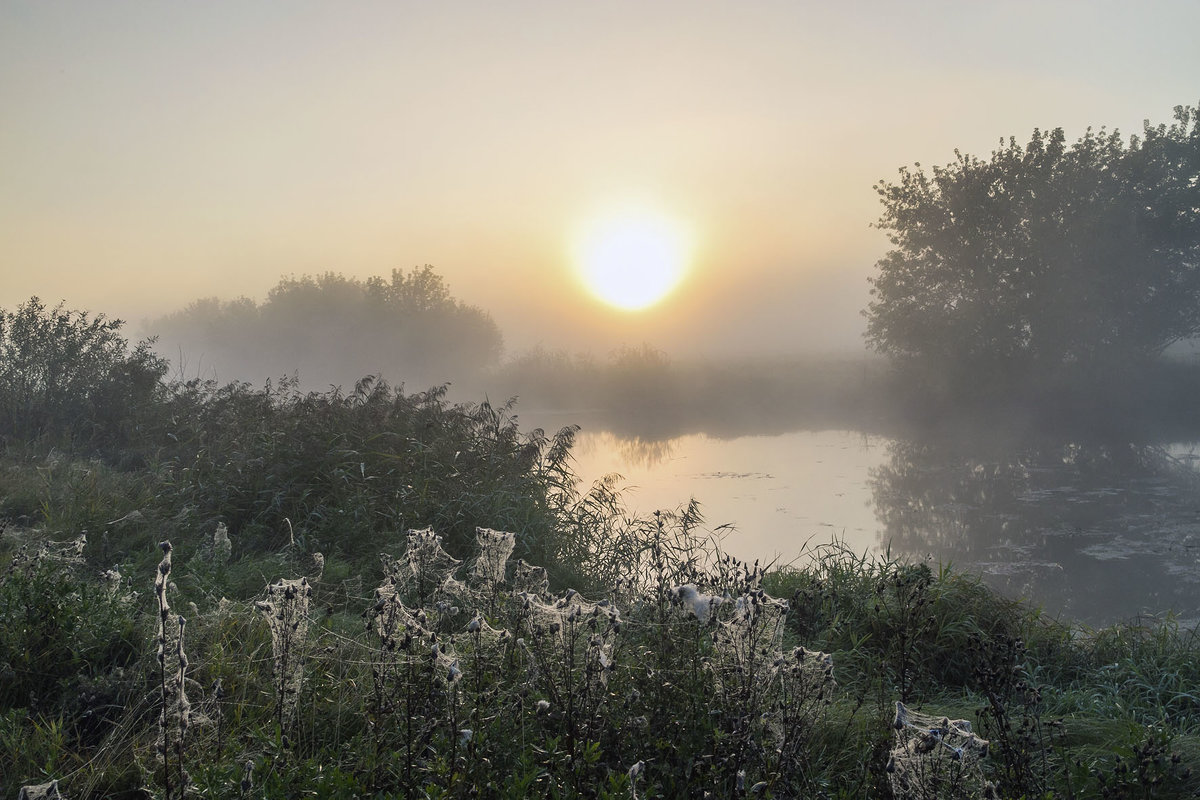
451 679
350 631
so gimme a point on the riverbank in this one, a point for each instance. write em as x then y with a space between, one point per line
399 670
214 591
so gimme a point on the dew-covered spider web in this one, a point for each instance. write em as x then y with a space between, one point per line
935 757
424 567
748 640
568 625
286 612
529 578
41 791
488 568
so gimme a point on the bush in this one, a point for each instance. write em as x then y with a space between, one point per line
67 376
346 471
332 330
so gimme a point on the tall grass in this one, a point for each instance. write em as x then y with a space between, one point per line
468 679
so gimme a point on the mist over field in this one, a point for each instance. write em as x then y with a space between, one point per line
619 400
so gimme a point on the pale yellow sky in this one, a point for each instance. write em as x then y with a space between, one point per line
153 153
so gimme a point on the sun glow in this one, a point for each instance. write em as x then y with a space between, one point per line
633 259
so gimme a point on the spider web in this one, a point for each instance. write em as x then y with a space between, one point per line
935 757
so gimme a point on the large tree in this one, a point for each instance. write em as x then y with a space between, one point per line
1045 254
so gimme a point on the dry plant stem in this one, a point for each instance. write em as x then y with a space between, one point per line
219 710
184 709
408 723
164 611
477 721
452 718
286 612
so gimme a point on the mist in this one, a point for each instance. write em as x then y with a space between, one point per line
326 330
612 398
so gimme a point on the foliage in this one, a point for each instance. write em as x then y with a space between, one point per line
489 685
334 329
60 631
1044 254
335 471
655 666
72 377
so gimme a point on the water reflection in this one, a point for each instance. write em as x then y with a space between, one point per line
1098 531
646 453
1095 529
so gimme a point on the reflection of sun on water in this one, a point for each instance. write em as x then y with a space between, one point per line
633 259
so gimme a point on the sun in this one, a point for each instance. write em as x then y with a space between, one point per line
632 259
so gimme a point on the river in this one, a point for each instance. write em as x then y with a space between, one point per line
1094 532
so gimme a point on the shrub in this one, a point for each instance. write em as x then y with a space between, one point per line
72 378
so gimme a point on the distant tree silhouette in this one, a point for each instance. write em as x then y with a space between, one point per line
1044 255
334 329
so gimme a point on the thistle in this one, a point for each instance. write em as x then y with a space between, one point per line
286 612
161 576
934 757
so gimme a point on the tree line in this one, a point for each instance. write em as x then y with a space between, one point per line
407 327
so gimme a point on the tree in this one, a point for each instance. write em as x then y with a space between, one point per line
72 378
1044 255
334 329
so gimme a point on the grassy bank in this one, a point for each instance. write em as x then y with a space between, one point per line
283 674
221 590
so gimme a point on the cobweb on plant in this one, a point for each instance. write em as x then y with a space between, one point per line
41 791
529 579
70 552
935 757
747 642
572 624
488 569
286 612
424 567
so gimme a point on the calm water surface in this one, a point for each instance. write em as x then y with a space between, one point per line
1094 532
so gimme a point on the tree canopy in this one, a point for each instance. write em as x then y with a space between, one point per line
334 329
1046 254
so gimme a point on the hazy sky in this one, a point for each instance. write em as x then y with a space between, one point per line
156 152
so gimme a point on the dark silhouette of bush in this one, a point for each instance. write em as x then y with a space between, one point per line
346 470
72 378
